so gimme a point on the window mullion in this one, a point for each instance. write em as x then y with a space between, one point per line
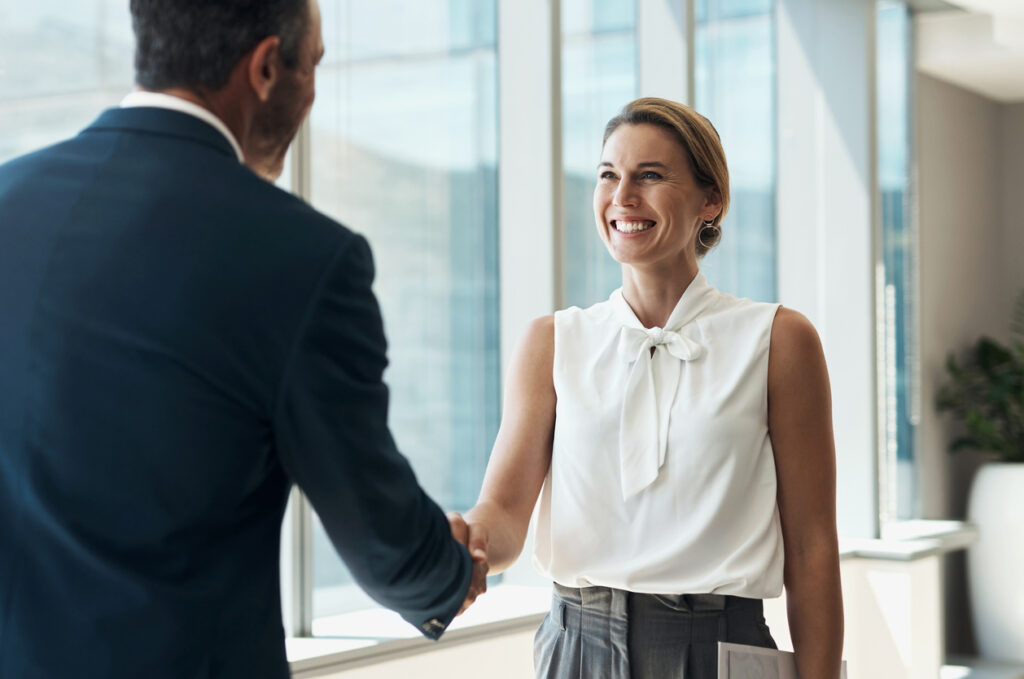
297 529
530 209
297 566
665 49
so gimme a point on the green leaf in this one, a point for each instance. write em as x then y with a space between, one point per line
964 443
985 393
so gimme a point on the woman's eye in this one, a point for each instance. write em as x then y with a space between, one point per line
650 175
606 175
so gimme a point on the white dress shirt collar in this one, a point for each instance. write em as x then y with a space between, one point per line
168 101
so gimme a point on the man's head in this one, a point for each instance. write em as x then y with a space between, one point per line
196 44
251 62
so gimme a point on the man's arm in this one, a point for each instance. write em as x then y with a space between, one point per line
332 436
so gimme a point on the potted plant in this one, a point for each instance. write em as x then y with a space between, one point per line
985 394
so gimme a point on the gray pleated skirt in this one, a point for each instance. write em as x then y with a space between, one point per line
605 633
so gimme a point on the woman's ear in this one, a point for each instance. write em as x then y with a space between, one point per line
265 67
712 204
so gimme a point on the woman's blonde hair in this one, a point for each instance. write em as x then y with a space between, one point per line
703 150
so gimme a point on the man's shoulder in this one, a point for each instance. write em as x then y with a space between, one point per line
243 206
33 159
269 203
199 190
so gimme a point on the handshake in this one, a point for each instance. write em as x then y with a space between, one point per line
474 537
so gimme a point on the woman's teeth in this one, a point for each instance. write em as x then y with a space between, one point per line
632 227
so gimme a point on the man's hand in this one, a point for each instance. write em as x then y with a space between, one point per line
474 537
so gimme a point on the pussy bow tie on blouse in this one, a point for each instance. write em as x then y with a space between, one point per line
653 382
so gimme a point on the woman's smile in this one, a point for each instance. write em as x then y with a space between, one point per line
632 225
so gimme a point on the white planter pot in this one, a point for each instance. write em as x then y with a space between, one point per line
995 563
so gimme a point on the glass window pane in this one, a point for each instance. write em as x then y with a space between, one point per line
404 151
599 76
735 89
61 64
716 10
899 248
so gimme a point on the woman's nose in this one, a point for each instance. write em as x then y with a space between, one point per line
625 193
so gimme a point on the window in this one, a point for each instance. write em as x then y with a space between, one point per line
403 148
899 256
734 75
599 76
61 64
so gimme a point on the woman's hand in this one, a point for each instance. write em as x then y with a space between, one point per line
475 539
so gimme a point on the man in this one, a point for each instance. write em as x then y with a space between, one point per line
179 342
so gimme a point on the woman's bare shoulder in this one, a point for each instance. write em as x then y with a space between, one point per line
541 329
793 332
796 357
535 354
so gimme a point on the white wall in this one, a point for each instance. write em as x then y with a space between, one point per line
970 162
826 235
960 250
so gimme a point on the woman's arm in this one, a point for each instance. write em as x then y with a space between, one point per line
800 425
496 527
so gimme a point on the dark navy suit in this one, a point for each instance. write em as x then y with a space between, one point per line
180 341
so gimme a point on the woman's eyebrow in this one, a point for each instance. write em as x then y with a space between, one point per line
605 163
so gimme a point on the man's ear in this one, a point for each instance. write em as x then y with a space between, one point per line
265 67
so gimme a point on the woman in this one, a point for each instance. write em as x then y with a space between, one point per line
680 440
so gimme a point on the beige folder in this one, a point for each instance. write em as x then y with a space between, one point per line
736 661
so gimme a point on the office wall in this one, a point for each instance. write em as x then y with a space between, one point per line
960 257
1011 174
970 162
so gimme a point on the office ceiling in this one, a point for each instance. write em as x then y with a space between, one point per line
979 46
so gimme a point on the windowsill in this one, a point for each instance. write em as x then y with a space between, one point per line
351 640
961 667
911 540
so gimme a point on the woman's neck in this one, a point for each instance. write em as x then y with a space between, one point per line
653 292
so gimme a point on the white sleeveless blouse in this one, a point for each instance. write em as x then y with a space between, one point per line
662 474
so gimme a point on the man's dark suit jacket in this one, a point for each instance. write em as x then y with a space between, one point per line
179 342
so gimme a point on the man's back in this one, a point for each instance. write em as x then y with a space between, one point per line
172 355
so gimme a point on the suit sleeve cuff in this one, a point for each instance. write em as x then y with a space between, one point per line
434 626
